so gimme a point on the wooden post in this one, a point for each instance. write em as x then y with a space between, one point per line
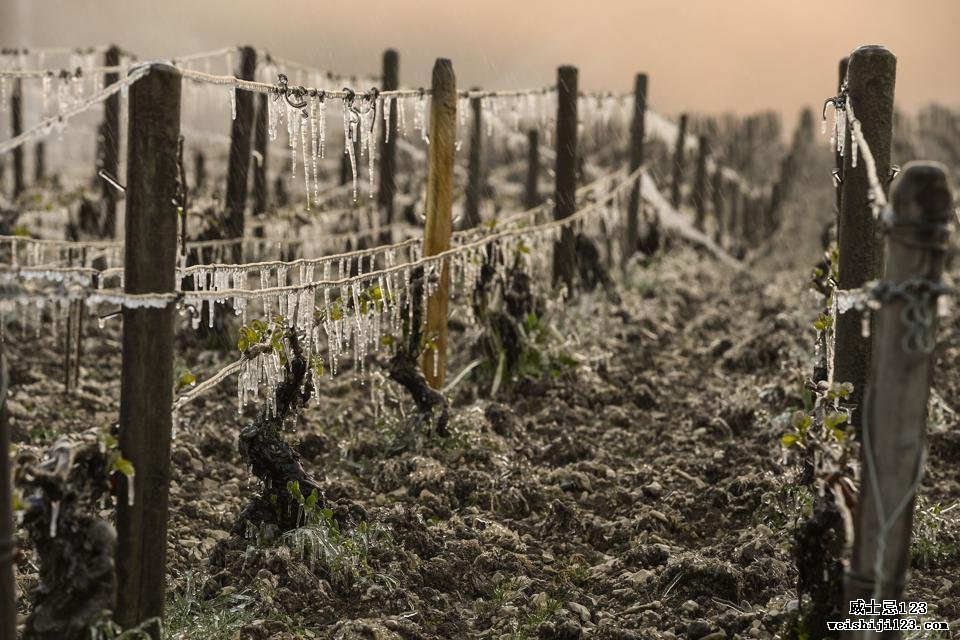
16 128
870 80
239 162
637 133
474 169
146 388
678 162
110 132
531 191
388 143
735 216
199 172
700 184
751 220
8 583
439 225
895 409
39 162
261 146
565 252
716 191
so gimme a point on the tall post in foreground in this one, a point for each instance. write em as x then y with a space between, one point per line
531 191
39 162
199 172
8 584
146 388
16 128
565 252
870 80
439 225
895 409
110 131
261 146
239 162
700 184
388 144
637 132
474 169
678 162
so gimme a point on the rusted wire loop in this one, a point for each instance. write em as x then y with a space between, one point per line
294 96
838 101
919 309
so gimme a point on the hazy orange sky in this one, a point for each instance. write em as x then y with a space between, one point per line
701 55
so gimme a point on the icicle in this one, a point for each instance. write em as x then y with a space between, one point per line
272 117
292 138
854 148
46 94
130 489
233 101
386 119
306 165
54 517
349 138
371 142
323 127
314 150
401 120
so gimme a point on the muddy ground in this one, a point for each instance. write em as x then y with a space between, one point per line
639 492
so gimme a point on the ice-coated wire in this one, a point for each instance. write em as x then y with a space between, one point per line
44 127
878 199
423 261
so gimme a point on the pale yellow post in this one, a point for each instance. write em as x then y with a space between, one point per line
436 237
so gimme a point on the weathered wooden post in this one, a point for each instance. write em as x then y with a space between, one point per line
531 191
16 128
439 225
474 168
678 162
735 216
719 203
110 133
8 547
146 388
918 225
199 171
700 184
388 144
39 162
565 252
772 210
238 165
260 144
637 133
751 219
870 81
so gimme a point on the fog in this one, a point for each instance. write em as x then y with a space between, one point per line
701 55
